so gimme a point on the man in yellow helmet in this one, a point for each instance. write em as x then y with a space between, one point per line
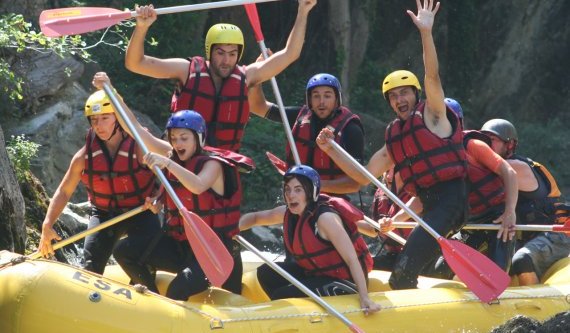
110 165
215 86
424 143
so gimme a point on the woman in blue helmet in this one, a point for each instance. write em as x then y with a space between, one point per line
323 108
320 233
207 182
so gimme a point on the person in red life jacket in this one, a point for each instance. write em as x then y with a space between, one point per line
320 232
207 182
539 202
424 144
493 192
110 165
383 207
215 86
323 108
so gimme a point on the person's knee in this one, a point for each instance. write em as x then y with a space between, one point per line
522 263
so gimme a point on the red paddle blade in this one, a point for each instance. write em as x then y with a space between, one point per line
213 256
481 275
77 20
277 163
355 329
562 228
251 10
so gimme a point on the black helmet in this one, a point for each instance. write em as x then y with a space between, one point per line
501 128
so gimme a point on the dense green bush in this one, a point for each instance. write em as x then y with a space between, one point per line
21 151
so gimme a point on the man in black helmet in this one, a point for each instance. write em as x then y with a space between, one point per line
539 202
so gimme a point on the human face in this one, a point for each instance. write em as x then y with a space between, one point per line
403 101
184 143
223 59
499 146
103 125
295 196
323 101
389 177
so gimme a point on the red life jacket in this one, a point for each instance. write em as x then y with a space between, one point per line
383 206
421 157
316 255
486 188
118 183
221 213
309 153
226 113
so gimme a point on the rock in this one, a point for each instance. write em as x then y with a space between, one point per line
522 324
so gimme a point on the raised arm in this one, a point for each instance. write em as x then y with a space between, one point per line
435 105
135 59
378 164
264 217
258 72
153 143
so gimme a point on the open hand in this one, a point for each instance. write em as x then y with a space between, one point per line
426 14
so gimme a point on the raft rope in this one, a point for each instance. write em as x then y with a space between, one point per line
314 317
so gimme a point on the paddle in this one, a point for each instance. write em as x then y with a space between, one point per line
90 231
353 327
251 11
278 163
481 275
209 250
528 227
77 20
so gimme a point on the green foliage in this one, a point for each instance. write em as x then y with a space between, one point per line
262 187
21 152
540 144
17 36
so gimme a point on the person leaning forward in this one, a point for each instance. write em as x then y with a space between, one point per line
539 202
432 168
215 86
110 165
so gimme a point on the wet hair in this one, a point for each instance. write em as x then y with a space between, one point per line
305 183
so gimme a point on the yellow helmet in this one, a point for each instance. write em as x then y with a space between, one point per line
224 33
400 78
98 103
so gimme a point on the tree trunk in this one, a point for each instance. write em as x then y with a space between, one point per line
349 27
12 208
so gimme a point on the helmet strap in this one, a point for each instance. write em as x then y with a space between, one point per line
115 129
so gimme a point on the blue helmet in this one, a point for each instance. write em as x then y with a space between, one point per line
324 79
454 106
309 173
191 120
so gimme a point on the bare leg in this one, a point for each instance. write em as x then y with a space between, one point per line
528 279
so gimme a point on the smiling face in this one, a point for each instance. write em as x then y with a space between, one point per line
103 125
402 100
223 59
323 101
295 196
183 142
